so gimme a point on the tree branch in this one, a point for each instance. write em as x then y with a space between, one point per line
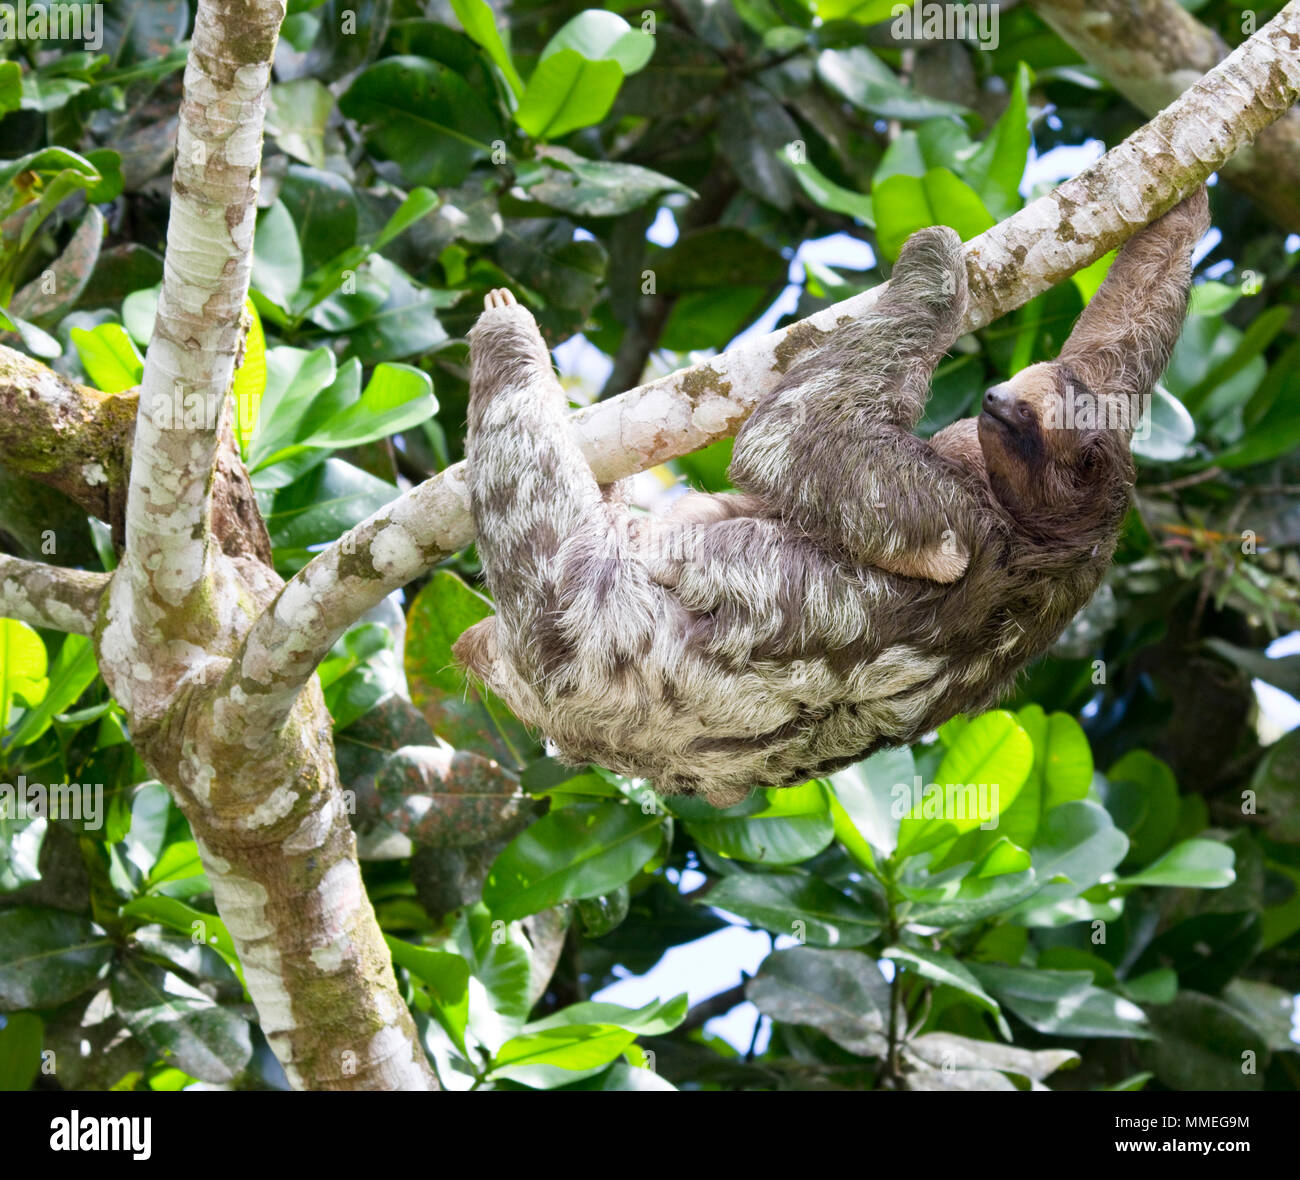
65 435
1151 51
1046 242
191 357
49 595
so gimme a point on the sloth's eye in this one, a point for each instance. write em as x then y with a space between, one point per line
1025 412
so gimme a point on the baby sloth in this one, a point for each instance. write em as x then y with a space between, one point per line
864 585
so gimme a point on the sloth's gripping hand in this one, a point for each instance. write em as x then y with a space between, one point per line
831 447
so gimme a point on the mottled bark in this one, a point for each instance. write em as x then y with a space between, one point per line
63 434
1153 50
1043 244
49 595
268 816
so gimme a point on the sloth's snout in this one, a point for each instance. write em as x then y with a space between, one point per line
999 400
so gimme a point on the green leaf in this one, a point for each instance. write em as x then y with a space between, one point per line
324 504
867 82
571 1046
655 1019
823 191
774 826
467 716
566 92
1165 431
839 993
424 117
1142 797
447 977
596 188
20 1045
580 851
180 1022
1193 864
599 35
250 379
1202 1044
397 397
294 378
1263 328
904 204
944 969
23 667
109 357
277 256
983 771
996 168
50 956
479 21
1078 844
1062 1003
872 791
797 904
74 669
202 928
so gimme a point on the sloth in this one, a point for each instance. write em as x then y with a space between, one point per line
863 585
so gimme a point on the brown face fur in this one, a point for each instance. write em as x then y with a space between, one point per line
1053 452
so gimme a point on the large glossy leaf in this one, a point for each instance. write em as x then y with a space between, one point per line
181 1023
207 929
861 77
839 993
1193 864
464 714
596 188
904 204
324 504
1062 1003
1142 797
109 357
1078 844
795 904
580 851
23 667
869 792
1204 1044
979 777
776 827
479 21
423 116
50 956
20 1050
566 92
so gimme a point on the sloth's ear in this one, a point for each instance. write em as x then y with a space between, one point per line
1121 342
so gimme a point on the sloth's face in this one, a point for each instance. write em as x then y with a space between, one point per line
1047 445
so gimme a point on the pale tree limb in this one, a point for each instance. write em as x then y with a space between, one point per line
272 830
1046 242
1153 50
168 570
50 595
